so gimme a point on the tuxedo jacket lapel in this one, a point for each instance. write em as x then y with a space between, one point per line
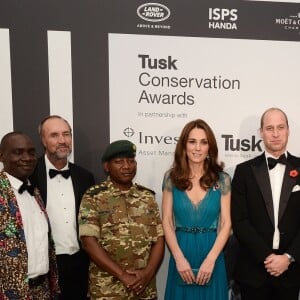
287 186
76 184
41 178
260 170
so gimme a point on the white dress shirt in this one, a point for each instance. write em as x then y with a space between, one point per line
61 211
276 179
36 230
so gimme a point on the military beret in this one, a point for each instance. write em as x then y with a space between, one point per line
120 148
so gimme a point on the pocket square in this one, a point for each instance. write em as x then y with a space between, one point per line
296 188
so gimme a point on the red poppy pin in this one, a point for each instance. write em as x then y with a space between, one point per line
294 173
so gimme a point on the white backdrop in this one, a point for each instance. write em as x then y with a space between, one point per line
233 82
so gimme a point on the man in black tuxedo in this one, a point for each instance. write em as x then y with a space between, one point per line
266 216
62 185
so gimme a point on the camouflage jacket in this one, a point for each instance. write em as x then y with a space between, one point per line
126 225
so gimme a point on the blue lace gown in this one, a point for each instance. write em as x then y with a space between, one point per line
195 246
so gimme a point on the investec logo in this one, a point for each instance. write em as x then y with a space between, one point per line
222 18
150 139
153 12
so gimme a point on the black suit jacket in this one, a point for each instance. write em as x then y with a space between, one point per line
81 179
253 220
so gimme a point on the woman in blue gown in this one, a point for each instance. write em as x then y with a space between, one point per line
196 217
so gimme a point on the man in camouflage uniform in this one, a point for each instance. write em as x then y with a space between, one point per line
121 230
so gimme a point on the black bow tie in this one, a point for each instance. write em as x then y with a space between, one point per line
272 162
26 187
64 173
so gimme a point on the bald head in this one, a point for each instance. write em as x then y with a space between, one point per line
17 153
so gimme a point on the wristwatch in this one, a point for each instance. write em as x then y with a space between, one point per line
290 257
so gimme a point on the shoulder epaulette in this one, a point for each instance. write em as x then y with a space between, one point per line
141 187
96 189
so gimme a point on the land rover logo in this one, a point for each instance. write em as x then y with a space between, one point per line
153 12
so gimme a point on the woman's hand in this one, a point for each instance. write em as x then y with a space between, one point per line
205 271
185 270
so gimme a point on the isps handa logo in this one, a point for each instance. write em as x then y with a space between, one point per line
153 12
222 18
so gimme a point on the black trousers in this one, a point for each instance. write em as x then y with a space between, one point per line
271 290
73 275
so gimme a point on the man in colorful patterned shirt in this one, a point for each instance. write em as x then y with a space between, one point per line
27 258
121 230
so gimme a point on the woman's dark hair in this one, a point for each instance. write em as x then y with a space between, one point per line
180 172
